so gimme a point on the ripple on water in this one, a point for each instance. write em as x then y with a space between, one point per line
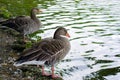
94 29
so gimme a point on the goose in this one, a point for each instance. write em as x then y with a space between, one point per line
47 52
24 24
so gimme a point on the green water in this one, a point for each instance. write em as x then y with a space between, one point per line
94 26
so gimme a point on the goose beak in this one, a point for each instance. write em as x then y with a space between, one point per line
67 35
39 11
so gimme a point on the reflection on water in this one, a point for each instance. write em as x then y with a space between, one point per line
94 26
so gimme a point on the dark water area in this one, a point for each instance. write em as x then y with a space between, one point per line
94 27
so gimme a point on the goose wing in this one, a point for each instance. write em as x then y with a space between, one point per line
18 23
42 52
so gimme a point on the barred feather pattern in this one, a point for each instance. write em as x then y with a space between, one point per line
48 51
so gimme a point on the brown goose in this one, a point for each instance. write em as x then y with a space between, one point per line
24 24
47 52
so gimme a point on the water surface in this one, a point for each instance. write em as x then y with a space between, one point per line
94 26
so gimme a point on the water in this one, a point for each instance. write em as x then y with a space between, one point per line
94 26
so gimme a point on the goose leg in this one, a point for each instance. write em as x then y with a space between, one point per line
53 75
44 73
25 39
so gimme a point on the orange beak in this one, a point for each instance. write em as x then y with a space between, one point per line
67 35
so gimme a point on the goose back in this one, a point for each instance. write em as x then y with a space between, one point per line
48 51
